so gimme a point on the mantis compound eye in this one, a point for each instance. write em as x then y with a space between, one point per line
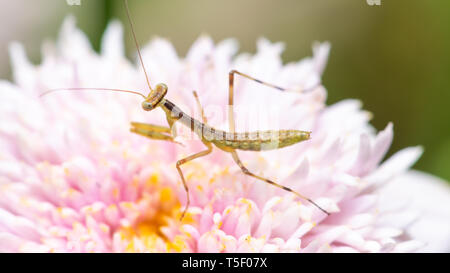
147 106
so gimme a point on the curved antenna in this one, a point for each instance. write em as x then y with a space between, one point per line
137 44
90 88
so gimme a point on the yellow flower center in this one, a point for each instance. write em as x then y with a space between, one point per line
148 234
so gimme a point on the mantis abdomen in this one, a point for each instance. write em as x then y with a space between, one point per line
247 141
260 140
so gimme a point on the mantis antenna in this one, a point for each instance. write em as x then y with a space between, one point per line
137 44
90 88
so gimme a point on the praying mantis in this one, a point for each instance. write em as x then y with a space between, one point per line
228 142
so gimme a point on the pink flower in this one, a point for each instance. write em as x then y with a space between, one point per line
74 179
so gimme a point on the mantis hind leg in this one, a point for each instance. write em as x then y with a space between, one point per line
180 172
247 172
231 94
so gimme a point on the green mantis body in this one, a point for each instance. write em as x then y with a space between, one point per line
226 141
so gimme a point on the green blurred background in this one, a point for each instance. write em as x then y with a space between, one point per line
394 57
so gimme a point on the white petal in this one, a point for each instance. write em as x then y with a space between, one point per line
161 61
320 57
19 225
386 232
302 230
72 42
430 197
200 49
328 204
112 45
23 70
395 165
382 143
360 220
408 246
372 246
10 242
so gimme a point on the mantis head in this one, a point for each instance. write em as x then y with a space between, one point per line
154 97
